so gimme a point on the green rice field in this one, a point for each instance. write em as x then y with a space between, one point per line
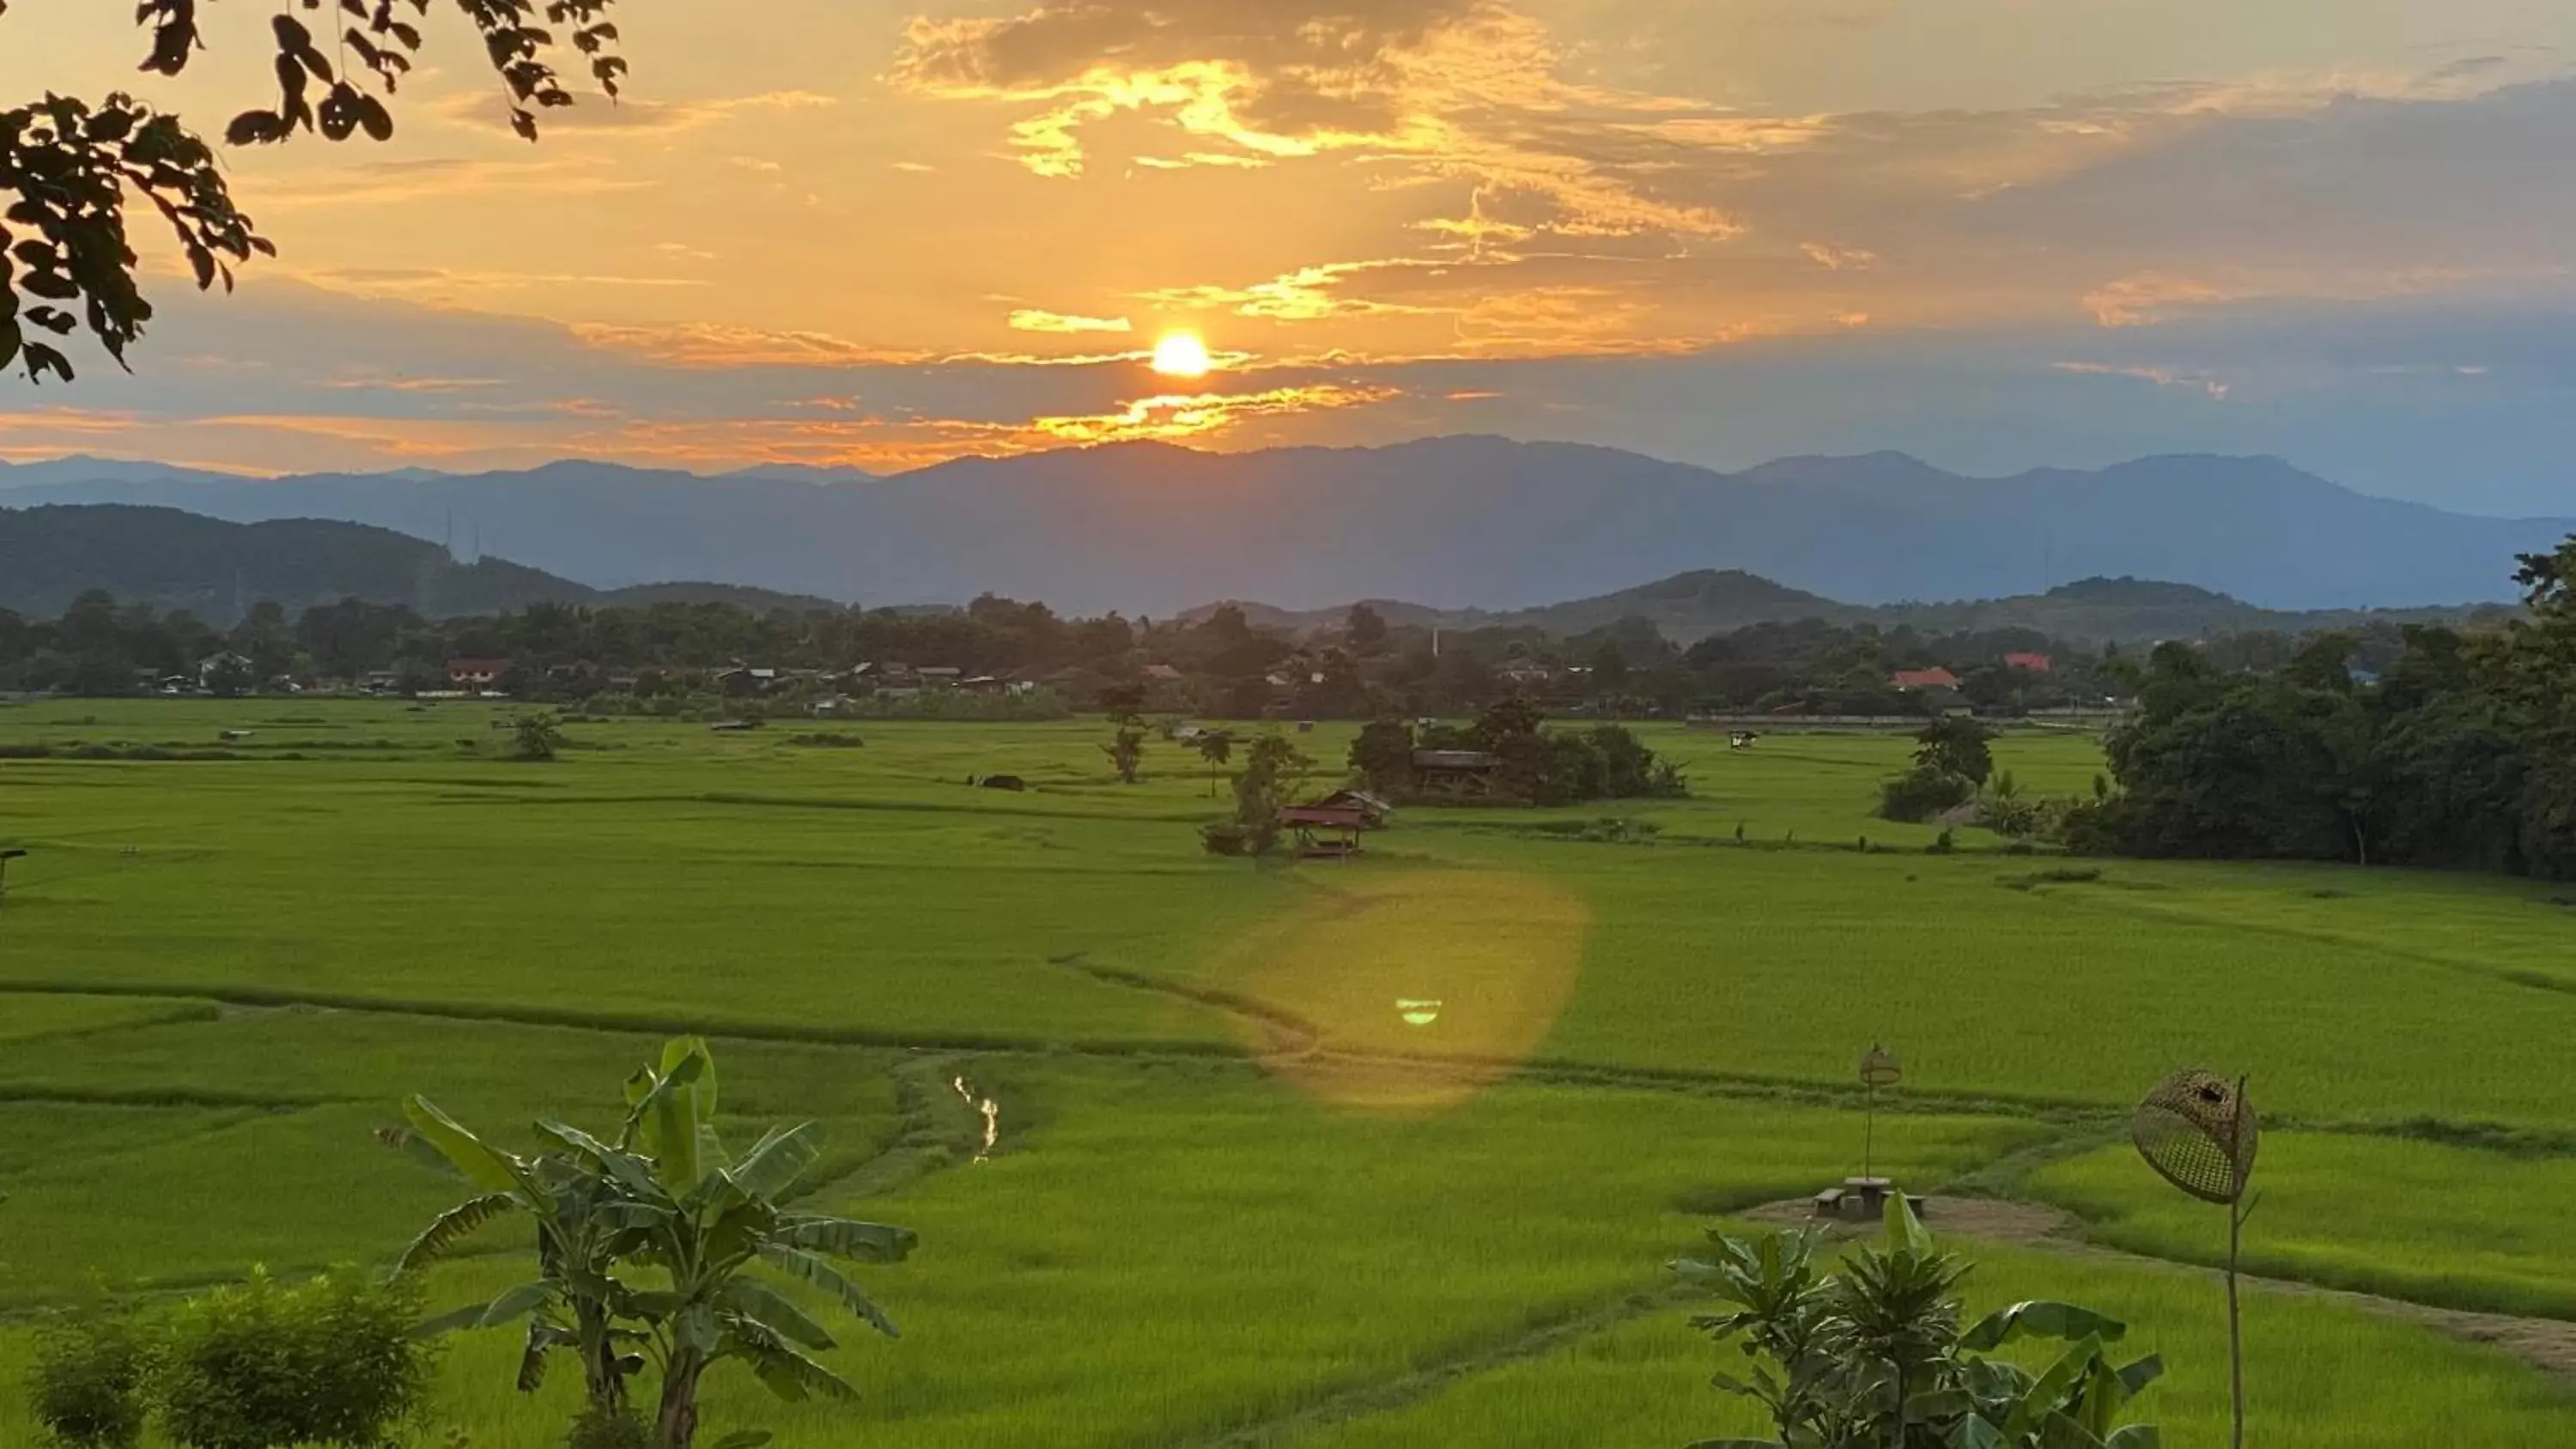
1386 1152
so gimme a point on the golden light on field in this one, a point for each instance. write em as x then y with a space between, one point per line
1182 354
1407 994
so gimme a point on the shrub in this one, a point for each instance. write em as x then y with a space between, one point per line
1225 837
333 1361
600 1428
1942 846
86 1386
1923 792
1877 1353
535 737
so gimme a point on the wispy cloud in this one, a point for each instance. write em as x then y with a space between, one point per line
1031 319
482 107
2215 389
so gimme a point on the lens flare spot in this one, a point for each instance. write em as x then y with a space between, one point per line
1478 964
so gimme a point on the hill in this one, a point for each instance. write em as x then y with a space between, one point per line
1454 521
170 559
1691 606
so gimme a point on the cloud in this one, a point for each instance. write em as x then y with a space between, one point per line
455 280
482 108
1839 259
1309 294
1030 319
1170 417
2211 387
1462 90
378 183
717 344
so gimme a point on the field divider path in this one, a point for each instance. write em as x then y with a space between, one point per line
2548 1344
1277 1022
2093 897
1362 1400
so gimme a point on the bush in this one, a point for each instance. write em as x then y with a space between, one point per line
599 1428
86 1386
331 1362
1923 792
1225 838
535 737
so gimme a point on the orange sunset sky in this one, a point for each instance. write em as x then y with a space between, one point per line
1999 233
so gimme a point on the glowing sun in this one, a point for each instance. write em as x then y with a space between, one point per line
1182 355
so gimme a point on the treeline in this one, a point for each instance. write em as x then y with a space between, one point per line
1218 665
2454 750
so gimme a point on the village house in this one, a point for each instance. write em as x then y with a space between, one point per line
476 676
2032 662
1935 678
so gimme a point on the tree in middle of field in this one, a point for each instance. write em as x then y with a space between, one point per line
1126 747
1217 748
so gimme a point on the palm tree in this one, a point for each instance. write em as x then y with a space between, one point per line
1216 747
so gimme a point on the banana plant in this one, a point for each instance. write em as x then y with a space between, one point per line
1874 1356
656 1233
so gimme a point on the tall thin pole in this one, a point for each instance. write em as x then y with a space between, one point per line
2235 1325
1869 1132
2242 1168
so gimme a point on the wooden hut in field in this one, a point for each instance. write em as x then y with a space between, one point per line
1468 771
1374 811
1325 832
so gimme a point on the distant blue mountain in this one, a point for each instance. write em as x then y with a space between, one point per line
1451 522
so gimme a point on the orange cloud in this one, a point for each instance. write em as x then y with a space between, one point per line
1031 319
1172 416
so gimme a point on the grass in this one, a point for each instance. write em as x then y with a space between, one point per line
1540 1064
2454 1226
2323 1377
36 1017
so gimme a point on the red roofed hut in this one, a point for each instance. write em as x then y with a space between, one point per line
1325 832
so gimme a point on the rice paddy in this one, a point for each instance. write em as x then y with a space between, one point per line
1390 1152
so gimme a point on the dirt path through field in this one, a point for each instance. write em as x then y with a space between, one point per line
2547 1343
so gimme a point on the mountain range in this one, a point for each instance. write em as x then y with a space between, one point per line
50 554
1691 606
1457 521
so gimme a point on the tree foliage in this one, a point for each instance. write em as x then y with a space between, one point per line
1126 747
1956 745
71 170
2461 752
1537 765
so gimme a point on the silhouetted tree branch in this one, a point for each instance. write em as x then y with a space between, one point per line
70 169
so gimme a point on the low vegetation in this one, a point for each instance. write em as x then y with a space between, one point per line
1876 1354
1529 764
333 1361
1600 1048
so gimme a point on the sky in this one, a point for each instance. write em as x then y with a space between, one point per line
1998 234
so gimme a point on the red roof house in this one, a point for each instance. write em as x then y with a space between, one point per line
2035 663
1924 679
